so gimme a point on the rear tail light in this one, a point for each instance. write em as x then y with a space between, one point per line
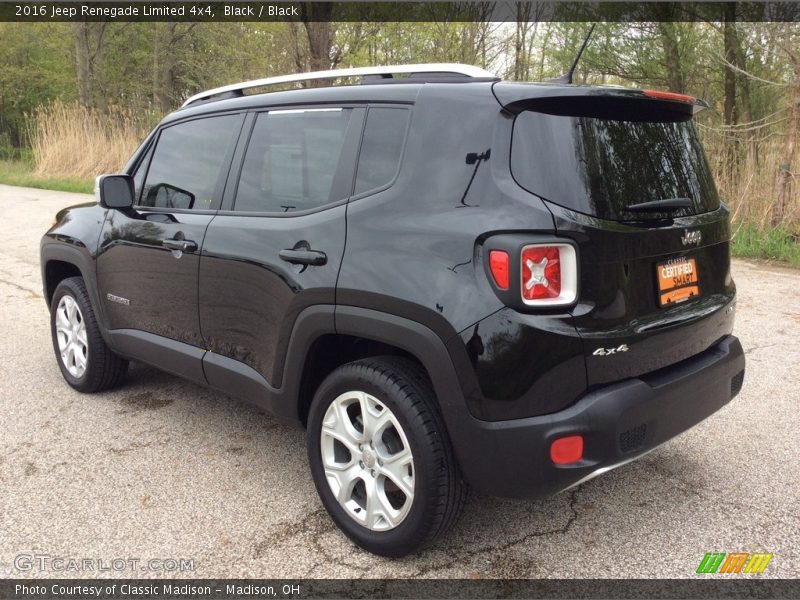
526 275
549 274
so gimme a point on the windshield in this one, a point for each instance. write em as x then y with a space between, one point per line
601 166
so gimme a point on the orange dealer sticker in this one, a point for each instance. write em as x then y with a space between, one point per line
678 281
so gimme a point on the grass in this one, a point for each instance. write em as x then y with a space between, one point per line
72 141
21 173
781 244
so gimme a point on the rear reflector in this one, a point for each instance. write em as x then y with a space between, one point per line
567 450
669 96
499 266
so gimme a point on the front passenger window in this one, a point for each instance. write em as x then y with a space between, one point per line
185 167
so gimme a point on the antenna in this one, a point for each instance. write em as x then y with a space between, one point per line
567 77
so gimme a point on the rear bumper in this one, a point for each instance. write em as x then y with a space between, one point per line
619 423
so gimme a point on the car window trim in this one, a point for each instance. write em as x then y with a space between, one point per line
143 161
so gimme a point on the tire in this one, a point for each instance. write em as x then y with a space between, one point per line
431 494
86 362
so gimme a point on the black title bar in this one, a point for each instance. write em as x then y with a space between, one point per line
207 589
575 11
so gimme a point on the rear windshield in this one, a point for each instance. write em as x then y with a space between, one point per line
601 166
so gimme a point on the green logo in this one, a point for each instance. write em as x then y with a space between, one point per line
735 562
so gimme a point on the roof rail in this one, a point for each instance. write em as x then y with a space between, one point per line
236 89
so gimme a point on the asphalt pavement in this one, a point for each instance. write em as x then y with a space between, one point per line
164 469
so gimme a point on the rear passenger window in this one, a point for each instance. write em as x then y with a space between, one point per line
292 161
381 148
185 167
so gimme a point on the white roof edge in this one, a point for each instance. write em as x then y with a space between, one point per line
468 70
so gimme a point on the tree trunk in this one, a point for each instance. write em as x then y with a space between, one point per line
730 42
167 75
166 40
672 58
545 43
785 174
730 77
82 63
89 54
743 89
316 17
155 70
298 49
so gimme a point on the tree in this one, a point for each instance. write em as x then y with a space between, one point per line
316 18
168 61
89 55
524 32
788 156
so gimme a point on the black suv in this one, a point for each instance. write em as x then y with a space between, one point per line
445 278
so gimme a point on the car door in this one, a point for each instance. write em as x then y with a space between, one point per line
147 266
277 246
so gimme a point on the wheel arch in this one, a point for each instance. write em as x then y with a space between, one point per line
319 344
60 261
56 271
332 350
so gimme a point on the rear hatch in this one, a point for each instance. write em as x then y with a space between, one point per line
625 176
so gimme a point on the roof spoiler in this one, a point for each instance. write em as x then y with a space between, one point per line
597 101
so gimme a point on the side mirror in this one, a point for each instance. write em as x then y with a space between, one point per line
115 191
165 195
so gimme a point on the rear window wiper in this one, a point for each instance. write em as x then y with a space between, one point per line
666 205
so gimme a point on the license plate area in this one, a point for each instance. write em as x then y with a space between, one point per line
678 280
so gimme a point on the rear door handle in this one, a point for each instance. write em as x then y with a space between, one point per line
304 257
180 245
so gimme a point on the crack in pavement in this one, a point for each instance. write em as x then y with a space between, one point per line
314 523
475 551
757 347
21 288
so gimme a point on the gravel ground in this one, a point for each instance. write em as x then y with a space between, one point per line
161 468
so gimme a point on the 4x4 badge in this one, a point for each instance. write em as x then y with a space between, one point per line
609 351
691 237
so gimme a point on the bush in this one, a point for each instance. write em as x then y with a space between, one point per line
7 149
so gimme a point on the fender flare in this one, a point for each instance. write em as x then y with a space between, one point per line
78 256
413 337
408 335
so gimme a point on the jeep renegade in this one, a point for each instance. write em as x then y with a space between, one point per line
447 279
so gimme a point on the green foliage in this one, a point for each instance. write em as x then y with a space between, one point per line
20 173
35 64
7 149
775 244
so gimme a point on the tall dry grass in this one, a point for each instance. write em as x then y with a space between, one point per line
746 172
74 142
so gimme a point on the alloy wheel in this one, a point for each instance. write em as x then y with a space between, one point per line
71 334
367 460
